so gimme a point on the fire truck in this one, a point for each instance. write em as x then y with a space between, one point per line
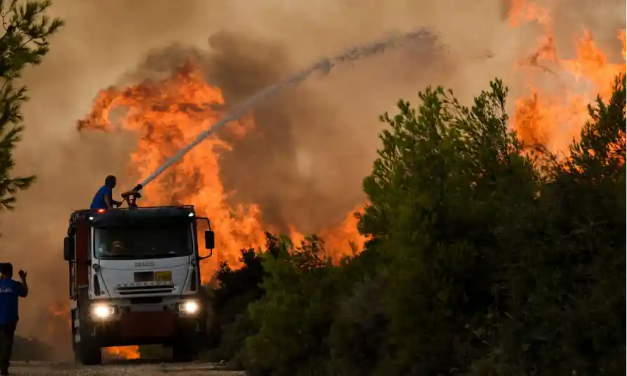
134 279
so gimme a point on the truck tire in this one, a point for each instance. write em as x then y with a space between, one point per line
185 349
87 351
88 354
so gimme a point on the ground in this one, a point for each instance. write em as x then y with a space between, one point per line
121 368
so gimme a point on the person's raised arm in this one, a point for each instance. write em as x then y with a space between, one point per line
108 201
108 196
24 290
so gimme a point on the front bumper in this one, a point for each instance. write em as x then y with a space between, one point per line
136 324
114 310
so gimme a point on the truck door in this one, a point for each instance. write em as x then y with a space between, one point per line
82 256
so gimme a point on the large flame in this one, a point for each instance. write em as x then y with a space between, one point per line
167 115
560 89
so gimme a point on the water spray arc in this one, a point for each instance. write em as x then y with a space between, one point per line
324 66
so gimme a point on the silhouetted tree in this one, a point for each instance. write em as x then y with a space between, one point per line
27 30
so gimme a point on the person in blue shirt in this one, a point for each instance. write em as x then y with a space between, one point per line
10 291
104 197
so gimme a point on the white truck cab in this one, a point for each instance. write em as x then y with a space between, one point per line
135 279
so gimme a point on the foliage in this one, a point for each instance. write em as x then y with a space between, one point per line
235 291
296 312
27 30
449 182
485 258
565 312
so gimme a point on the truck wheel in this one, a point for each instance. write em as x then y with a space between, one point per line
87 351
185 350
88 354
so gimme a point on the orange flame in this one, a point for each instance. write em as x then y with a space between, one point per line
58 312
124 352
167 115
524 11
343 240
553 113
340 241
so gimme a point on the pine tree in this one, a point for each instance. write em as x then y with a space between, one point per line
27 30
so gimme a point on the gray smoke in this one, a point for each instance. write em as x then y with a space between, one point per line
420 39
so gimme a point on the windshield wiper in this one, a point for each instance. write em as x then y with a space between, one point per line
117 256
157 255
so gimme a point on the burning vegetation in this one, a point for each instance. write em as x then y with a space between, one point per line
166 114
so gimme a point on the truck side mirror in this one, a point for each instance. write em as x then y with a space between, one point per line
68 249
210 241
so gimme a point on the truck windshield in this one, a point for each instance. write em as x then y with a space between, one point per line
141 242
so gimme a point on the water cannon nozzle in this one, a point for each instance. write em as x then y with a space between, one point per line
133 192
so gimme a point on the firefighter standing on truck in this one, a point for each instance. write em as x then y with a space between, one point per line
104 197
10 291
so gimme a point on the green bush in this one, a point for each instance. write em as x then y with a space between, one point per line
229 324
357 337
486 257
565 305
295 314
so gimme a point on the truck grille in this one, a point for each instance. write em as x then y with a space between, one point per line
139 290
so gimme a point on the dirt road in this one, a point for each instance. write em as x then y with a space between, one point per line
121 368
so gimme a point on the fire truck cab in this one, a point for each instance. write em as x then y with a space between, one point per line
134 277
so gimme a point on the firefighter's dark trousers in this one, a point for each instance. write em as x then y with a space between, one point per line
7 332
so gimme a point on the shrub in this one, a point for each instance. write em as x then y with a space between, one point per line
485 258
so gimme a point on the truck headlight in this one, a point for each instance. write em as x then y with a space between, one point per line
102 311
190 307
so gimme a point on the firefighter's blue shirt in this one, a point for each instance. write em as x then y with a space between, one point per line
99 199
10 291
